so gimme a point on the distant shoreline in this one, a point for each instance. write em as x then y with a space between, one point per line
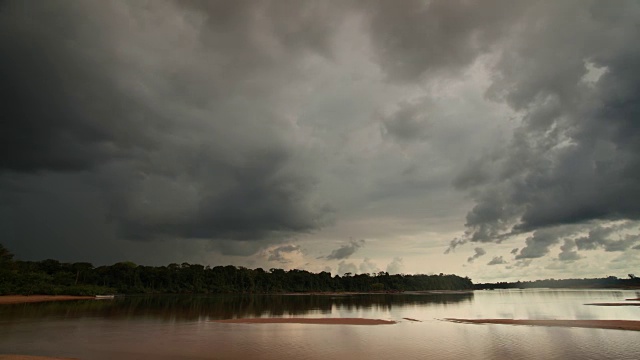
24 299
630 325
318 321
348 293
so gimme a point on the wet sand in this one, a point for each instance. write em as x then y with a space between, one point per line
21 299
631 325
322 321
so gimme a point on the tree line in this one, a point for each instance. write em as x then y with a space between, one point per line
596 283
82 278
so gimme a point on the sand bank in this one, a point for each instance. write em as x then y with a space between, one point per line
598 324
21 299
29 357
323 321
615 304
410 319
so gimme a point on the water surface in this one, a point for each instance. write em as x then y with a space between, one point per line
180 327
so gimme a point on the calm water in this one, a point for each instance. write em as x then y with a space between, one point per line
179 327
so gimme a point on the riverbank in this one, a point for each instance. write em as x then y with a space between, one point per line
631 325
319 321
23 299
387 292
615 304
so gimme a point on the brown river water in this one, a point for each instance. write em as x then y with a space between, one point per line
181 327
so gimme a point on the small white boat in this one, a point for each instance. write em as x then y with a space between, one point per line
105 297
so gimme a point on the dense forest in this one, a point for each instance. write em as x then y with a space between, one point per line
598 283
82 278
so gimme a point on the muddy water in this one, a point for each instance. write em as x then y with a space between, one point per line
180 327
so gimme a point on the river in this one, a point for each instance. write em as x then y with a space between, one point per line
181 327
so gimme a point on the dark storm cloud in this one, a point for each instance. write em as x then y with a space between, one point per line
61 110
576 157
478 252
414 38
497 260
346 250
168 111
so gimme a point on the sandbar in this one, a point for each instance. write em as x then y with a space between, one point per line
615 304
21 299
410 319
321 321
632 325
636 299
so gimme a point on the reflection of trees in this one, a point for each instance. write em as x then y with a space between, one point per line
185 307
388 301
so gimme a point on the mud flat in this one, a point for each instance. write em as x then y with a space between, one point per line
631 325
22 299
321 321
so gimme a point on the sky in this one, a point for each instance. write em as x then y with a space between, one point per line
496 139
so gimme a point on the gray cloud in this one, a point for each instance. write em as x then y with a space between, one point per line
622 244
346 250
497 260
595 238
408 123
478 252
568 252
520 264
279 253
600 237
416 38
539 244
